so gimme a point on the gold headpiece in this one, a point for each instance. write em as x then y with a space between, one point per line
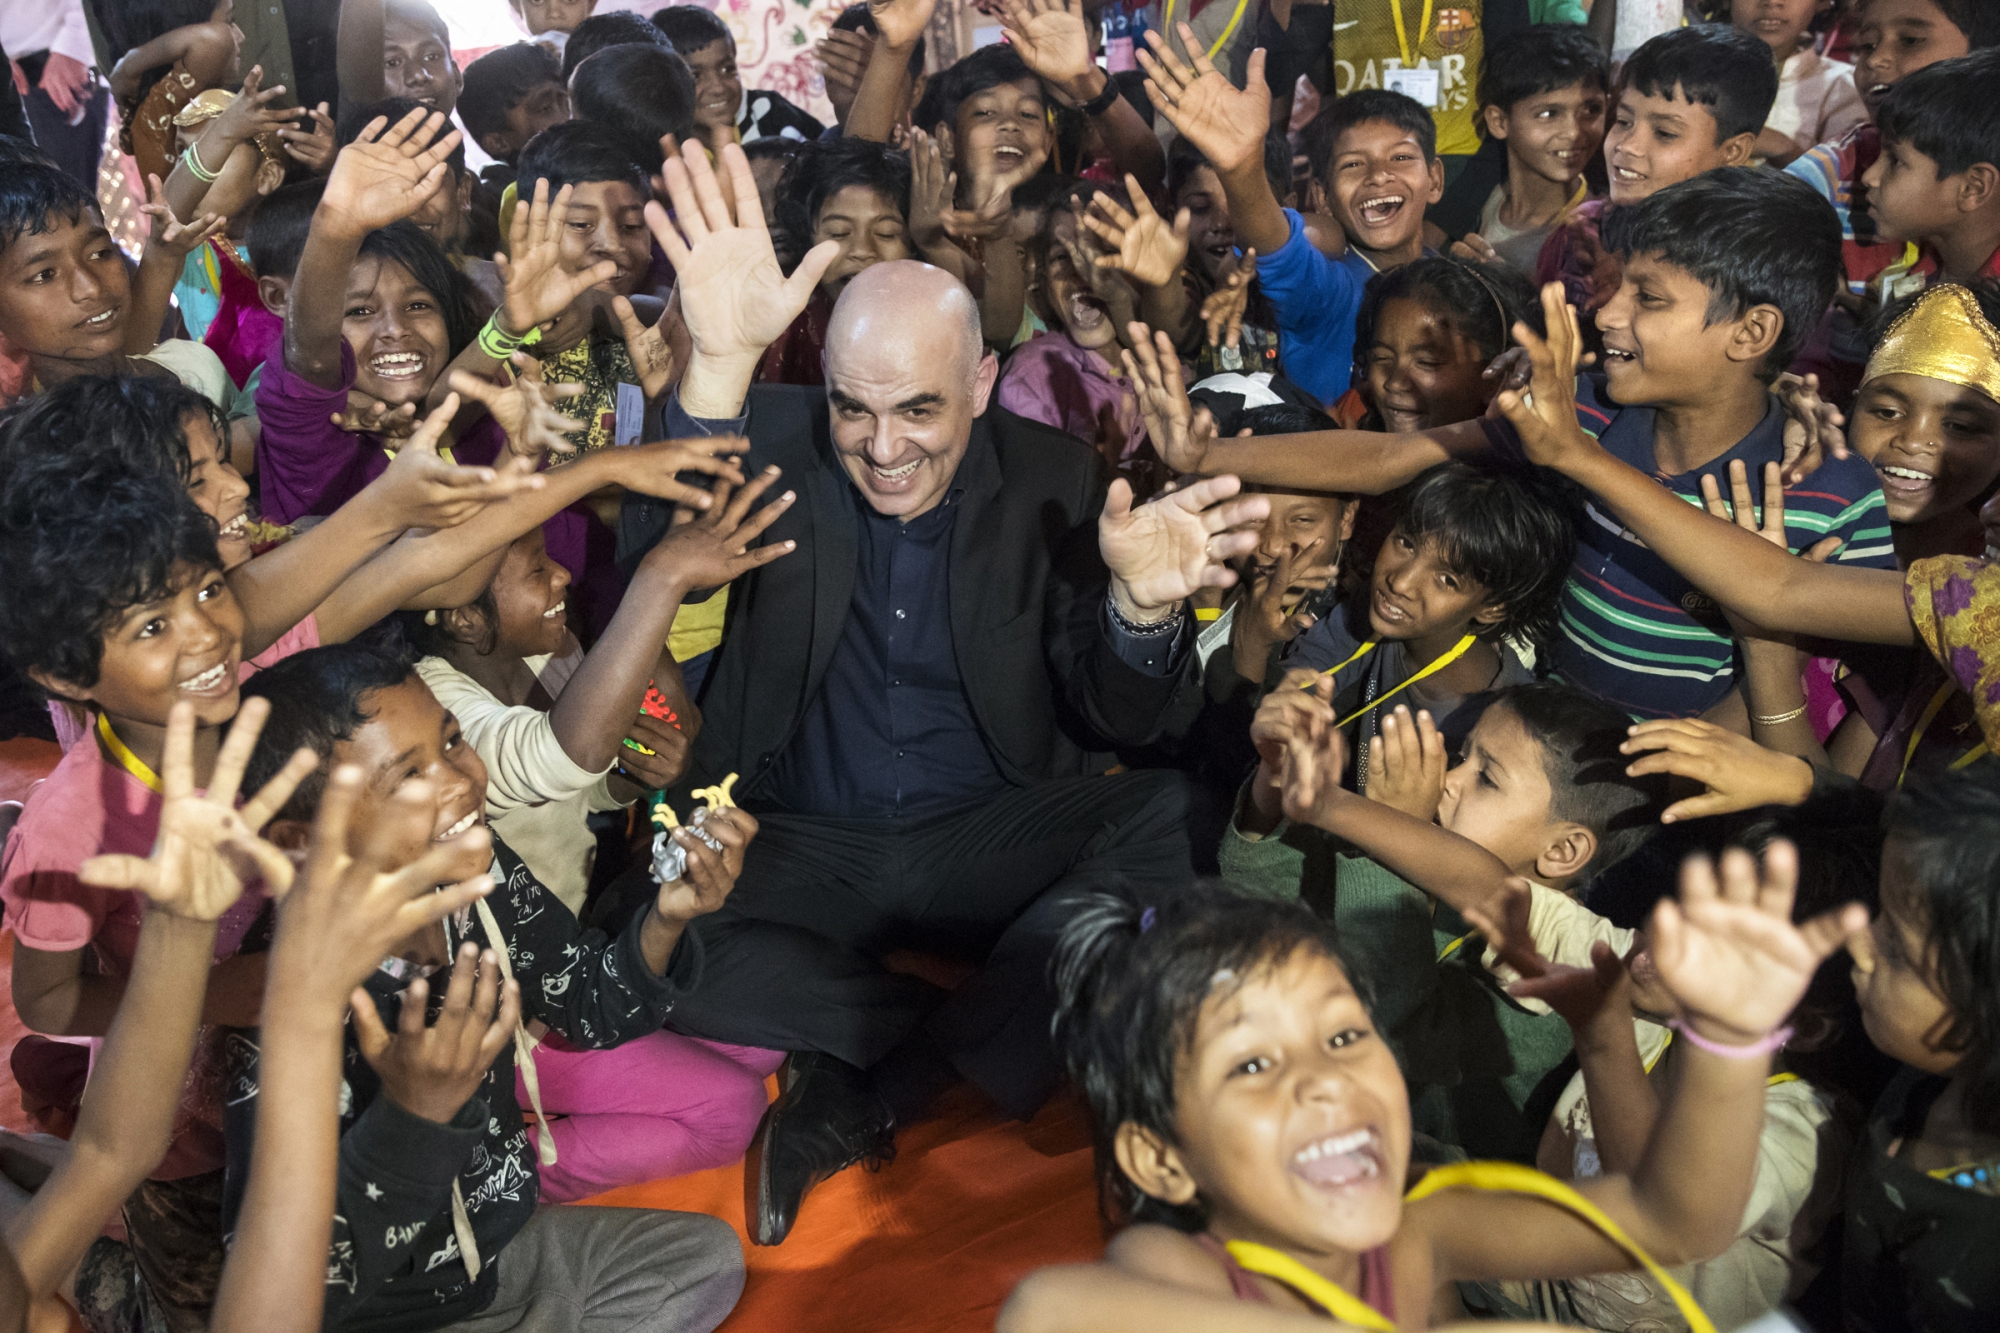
1944 336
206 106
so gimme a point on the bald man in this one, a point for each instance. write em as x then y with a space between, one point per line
922 699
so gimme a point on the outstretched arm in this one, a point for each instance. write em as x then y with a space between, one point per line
1228 125
1052 40
357 54
1747 574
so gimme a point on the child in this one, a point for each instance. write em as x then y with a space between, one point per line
1937 182
1071 377
166 56
1380 173
551 22
991 120
438 1181
67 303
1423 339
725 112
1818 101
1253 1127
447 217
249 328
847 190
844 56
1689 101
511 95
1722 276
414 60
1540 795
1542 93
601 32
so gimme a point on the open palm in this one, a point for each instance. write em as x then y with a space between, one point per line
1160 552
1050 36
1226 123
388 173
734 297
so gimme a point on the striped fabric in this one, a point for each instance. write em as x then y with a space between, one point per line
1637 634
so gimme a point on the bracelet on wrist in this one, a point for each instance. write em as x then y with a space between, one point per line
1779 719
1104 100
1148 630
499 344
194 166
1771 1041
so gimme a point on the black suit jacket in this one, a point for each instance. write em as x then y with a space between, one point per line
1027 590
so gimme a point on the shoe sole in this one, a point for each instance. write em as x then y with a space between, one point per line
757 1184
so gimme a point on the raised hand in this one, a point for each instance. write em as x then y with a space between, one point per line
1727 949
1309 774
347 912
647 344
1160 552
932 185
710 875
1222 310
992 210
538 287
314 148
708 550
843 60
1735 772
388 172
1583 996
1051 38
1406 764
528 409
1812 427
432 1070
1141 244
653 469
1265 619
1544 415
735 299
250 116
1741 510
424 491
1180 434
207 849
170 240
1226 123
901 22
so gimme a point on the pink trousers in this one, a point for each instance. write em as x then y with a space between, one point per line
663 1105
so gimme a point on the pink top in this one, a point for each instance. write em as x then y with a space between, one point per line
1051 380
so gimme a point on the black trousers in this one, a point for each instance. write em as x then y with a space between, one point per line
792 959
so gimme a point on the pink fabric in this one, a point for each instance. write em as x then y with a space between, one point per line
661 1106
1051 380
1825 704
243 333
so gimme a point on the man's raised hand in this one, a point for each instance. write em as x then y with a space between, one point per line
1160 552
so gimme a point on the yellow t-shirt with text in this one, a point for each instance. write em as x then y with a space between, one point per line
1441 35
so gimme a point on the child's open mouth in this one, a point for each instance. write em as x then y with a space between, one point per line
1389 612
1626 176
1087 314
103 319
1619 358
559 609
1379 210
236 529
1340 1159
210 684
1904 482
1007 156
396 366
463 826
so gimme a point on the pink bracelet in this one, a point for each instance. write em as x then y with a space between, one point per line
1771 1041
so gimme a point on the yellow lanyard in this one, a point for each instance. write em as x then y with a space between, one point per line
1924 720
1512 1178
1444 660
1328 1295
1402 37
1167 23
128 761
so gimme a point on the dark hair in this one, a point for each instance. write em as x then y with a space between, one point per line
1752 237
38 197
640 92
1545 58
276 235
497 82
1979 20
134 421
409 245
690 27
14 149
988 67
823 168
1184 159
574 153
82 545
355 118
126 24
1482 302
1130 984
316 703
1714 65
1284 419
1513 529
856 18
1949 112
601 32
423 14
1579 736
1321 136
1947 828
775 146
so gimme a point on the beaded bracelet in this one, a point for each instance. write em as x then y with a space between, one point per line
499 344
1779 719
1770 1041
194 166
1155 630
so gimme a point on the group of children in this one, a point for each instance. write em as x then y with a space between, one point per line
1602 922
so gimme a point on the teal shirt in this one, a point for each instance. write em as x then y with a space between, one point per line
1557 11
1484 1072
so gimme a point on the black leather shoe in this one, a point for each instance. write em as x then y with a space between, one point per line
828 1117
